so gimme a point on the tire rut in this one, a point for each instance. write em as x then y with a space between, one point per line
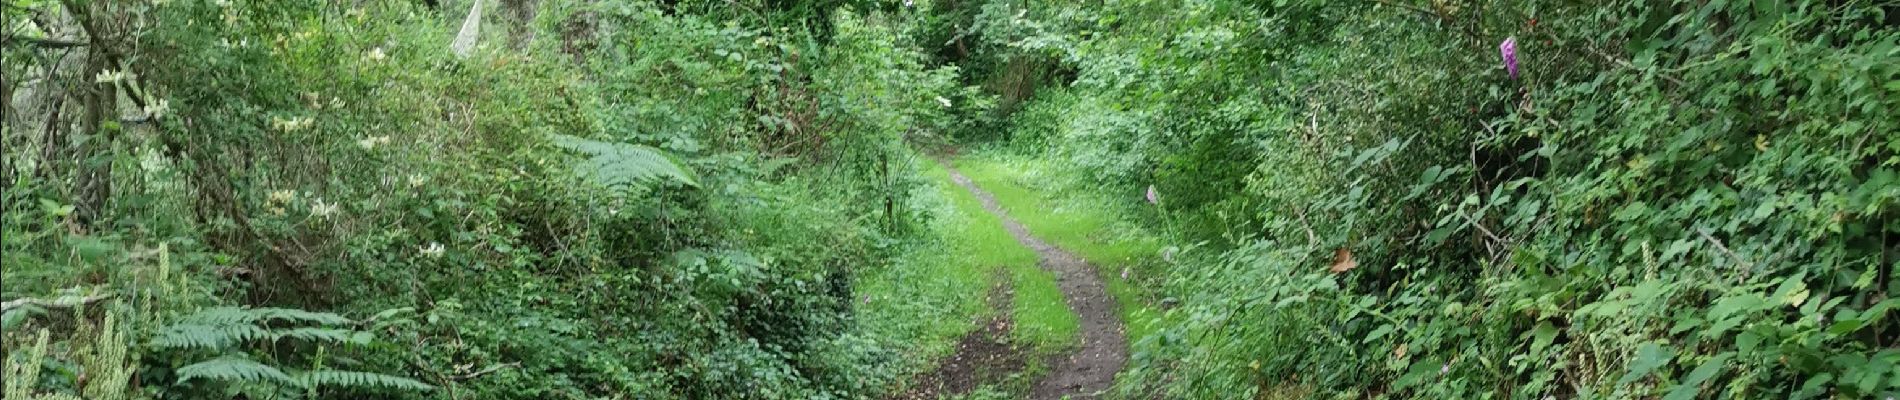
1089 370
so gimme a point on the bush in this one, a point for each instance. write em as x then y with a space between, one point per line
1677 199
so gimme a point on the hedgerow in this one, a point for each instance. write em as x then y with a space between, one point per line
1662 199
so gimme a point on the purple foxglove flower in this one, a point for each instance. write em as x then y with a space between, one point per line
1508 49
1152 198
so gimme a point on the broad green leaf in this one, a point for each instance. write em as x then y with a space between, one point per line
1649 356
1692 384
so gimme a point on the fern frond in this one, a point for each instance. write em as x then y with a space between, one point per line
219 316
232 369
626 166
299 316
326 335
315 379
203 336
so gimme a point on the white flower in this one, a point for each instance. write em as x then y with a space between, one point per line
369 143
322 209
376 54
282 196
158 109
945 102
292 124
109 76
417 180
433 250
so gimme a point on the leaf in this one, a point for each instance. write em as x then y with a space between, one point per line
13 318
1648 357
1692 384
1542 337
1377 333
1342 261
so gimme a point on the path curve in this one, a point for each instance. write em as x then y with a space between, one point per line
1089 370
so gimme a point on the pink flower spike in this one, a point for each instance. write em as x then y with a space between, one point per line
1508 49
1152 197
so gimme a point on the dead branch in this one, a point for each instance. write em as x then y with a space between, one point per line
64 302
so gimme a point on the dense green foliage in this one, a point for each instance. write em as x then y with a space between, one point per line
603 199
725 198
1675 199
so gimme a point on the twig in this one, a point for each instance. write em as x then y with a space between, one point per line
1724 249
1626 64
59 303
486 371
1311 239
1413 8
1487 232
45 43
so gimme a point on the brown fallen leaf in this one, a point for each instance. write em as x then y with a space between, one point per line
1342 261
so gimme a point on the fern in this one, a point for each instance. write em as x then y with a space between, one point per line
317 379
324 335
298 316
222 329
217 328
210 337
233 369
238 315
625 166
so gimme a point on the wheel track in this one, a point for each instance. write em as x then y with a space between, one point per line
1090 369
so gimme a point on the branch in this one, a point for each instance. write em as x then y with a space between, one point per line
1626 64
486 371
64 302
1413 8
45 43
1311 239
1487 232
1724 249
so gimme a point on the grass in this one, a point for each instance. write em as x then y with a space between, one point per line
1043 320
931 299
1086 224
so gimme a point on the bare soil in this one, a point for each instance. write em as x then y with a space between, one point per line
983 356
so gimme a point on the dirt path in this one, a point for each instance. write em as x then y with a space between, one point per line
1089 370
983 356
